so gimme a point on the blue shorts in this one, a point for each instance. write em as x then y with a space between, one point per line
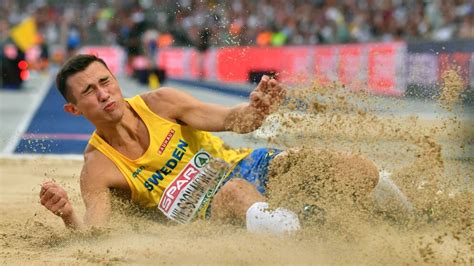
254 168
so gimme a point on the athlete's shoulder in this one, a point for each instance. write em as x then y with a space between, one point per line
100 171
92 156
162 95
166 102
96 164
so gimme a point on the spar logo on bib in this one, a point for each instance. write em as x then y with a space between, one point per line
175 194
174 189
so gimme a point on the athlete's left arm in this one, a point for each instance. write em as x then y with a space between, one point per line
263 100
243 118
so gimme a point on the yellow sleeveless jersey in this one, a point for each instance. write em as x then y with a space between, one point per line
171 148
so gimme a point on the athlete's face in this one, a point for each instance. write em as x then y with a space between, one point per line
96 95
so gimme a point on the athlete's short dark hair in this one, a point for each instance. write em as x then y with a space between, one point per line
72 66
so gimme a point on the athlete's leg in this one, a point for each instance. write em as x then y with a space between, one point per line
389 199
242 197
367 175
234 199
246 186
352 170
239 200
365 182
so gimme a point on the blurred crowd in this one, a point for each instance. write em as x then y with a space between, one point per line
203 23
141 27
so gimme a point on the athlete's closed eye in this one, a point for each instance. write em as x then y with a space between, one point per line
104 81
88 90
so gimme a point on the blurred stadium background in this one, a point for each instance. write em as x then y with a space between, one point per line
217 49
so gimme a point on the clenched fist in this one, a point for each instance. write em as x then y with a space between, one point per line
55 199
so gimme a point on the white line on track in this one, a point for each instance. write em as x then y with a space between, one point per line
14 139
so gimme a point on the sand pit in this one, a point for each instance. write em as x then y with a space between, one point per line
430 160
30 234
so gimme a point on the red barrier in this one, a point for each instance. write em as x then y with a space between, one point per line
174 61
374 67
112 55
235 63
298 64
352 66
325 64
382 68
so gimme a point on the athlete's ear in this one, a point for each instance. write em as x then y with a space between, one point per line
72 109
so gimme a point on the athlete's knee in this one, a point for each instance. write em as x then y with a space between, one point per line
234 198
372 171
369 173
235 189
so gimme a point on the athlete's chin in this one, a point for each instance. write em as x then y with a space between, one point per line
109 117
114 116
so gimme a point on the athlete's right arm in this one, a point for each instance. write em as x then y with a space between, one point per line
94 190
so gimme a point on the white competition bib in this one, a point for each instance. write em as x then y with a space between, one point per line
193 187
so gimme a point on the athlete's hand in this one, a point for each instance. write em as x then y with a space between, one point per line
55 199
267 96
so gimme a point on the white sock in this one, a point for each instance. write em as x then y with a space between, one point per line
261 219
389 198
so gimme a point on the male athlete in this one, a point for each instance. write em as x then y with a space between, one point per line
150 147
